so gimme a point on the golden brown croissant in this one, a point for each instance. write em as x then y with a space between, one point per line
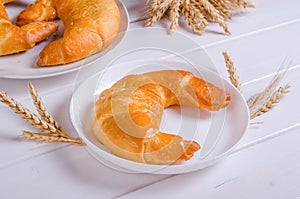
6 1
14 39
127 116
89 27
41 10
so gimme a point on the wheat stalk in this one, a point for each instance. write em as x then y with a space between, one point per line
272 101
45 115
152 12
174 14
222 7
257 101
195 12
244 4
24 113
234 78
52 132
194 17
41 137
264 101
156 10
214 15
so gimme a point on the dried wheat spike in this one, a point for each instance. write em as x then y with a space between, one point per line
196 12
223 8
174 14
256 102
244 4
156 10
45 115
194 17
234 78
50 131
41 137
24 113
214 15
272 101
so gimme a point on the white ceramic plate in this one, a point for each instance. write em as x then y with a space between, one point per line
217 132
23 65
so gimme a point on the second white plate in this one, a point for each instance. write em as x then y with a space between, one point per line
217 132
23 65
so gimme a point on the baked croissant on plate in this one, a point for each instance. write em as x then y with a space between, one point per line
14 39
89 27
6 1
41 10
126 117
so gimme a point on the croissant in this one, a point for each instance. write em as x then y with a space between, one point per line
89 27
14 39
126 117
5 1
41 10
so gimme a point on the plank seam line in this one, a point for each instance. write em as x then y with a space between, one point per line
251 33
268 76
30 157
266 138
238 149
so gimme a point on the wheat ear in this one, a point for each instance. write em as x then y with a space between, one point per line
42 137
24 113
272 101
257 101
234 78
156 10
214 15
45 115
194 17
50 131
174 14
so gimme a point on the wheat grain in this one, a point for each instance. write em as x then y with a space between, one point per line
174 14
197 13
234 78
24 113
50 132
45 115
156 10
151 12
194 17
222 7
272 101
256 102
244 4
40 137
214 15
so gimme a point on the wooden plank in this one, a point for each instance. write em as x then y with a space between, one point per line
265 165
266 15
267 170
67 173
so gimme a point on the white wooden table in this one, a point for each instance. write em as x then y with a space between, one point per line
265 164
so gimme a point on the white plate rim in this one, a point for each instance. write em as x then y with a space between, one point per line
62 69
174 169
